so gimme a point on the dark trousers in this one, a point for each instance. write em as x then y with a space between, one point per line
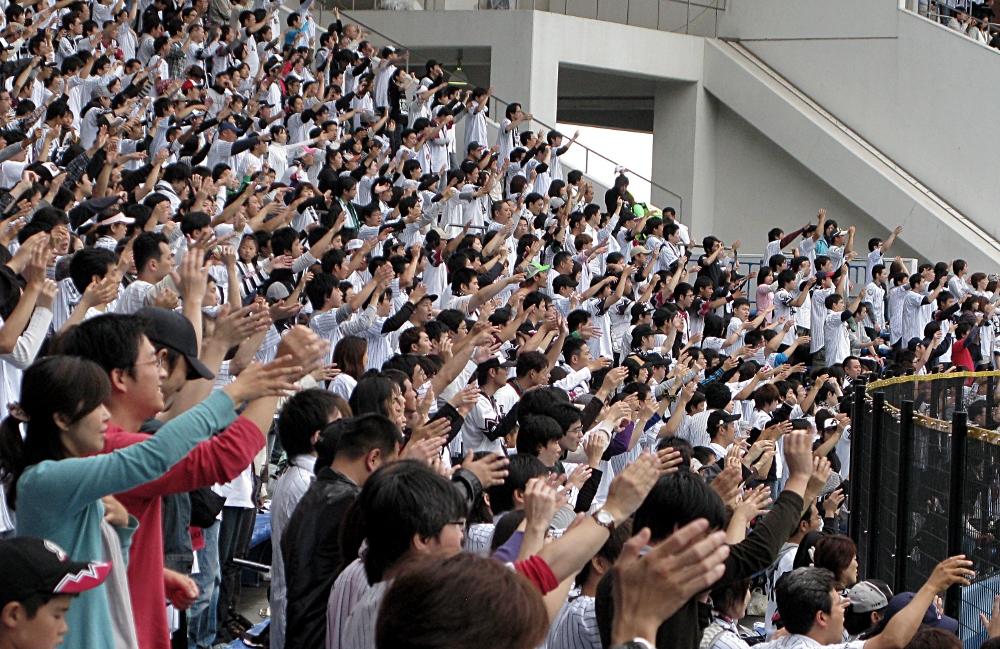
235 533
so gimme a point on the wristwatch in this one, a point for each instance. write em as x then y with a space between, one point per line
605 519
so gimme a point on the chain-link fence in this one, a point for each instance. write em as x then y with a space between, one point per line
919 445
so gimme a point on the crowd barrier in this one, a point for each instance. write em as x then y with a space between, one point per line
925 468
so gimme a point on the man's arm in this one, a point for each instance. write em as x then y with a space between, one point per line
905 624
891 238
487 293
761 546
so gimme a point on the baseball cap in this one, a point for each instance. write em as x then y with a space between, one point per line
932 617
100 91
641 308
228 126
639 250
33 566
306 150
535 268
823 274
866 597
642 331
173 330
653 359
277 291
720 416
442 233
840 233
355 244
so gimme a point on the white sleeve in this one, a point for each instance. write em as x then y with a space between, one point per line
30 341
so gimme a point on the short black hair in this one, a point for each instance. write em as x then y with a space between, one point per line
145 247
111 340
304 414
528 361
521 469
87 263
802 593
399 501
676 500
356 437
535 432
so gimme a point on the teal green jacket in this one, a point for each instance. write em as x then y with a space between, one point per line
61 501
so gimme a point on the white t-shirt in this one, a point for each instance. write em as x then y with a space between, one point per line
835 339
818 317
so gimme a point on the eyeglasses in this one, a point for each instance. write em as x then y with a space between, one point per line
158 361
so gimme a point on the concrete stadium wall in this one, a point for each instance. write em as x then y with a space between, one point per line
913 88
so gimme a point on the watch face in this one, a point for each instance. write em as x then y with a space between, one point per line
604 518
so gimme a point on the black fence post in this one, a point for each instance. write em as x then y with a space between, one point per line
903 493
873 448
956 503
859 433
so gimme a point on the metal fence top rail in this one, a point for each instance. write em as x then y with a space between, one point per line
933 423
896 380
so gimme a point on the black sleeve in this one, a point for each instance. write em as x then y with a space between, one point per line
468 486
247 143
846 315
360 68
398 318
318 201
585 498
206 124
760 548
448 411
201 154
950 311
509 423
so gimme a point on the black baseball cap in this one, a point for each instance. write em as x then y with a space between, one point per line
173 330
38 566
719 417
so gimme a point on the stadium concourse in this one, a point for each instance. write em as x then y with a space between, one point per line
503 410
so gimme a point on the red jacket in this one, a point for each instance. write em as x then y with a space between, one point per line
216 460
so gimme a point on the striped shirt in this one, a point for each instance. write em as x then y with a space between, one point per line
896 295
359 629
336 324
478 539
723 633
576 626
287 493
134 297
379 350
347 591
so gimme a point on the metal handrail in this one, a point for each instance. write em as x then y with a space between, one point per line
499 101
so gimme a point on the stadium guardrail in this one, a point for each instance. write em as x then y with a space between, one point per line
925 470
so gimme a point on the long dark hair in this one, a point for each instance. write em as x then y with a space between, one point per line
372 394
68 385
349 355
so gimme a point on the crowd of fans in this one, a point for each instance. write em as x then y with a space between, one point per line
974 19
505 411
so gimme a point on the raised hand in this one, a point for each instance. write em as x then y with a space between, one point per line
491 469
233 328
259 380
670 459
424 450
631 486
651 588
